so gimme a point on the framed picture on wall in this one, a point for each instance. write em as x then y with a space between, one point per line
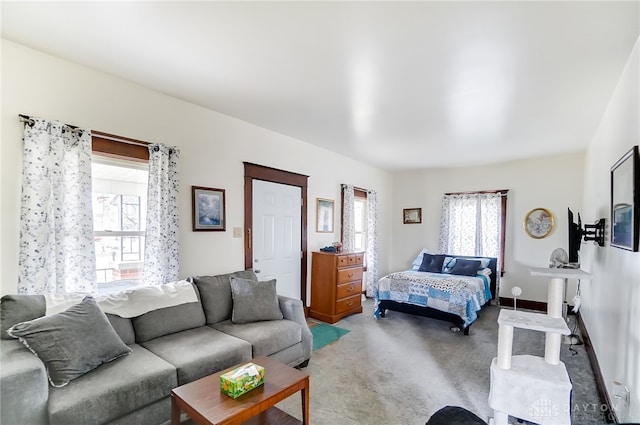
208 206
412 215
625 201
324 215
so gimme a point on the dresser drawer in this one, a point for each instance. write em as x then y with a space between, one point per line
355 259
348 289
347 304
349 275
342 261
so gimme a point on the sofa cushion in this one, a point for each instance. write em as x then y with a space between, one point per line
73 342
199 352
168 320
19 308
155 413
265 338
123 327
113 390
254 301
215 293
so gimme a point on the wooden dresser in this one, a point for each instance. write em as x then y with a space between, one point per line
336 285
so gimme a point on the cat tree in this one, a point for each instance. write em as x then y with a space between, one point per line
529 387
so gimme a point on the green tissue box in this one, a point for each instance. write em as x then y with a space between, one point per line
241 380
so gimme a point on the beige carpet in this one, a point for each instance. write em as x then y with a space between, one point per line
402 368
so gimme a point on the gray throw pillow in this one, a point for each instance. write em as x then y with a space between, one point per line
19 308
254 301
73 342
215 292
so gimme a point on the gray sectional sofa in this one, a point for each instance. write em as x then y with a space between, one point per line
168 347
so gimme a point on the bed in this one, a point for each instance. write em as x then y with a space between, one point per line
435 287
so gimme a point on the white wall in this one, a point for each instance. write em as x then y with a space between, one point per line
552 182
213 147
611 298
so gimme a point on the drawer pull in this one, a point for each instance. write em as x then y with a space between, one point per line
350 288
350 303
350 274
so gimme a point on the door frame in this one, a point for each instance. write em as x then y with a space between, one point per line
260 172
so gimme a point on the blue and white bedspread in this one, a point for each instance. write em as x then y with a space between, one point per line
463 296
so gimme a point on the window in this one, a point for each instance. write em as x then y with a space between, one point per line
119 171
360 216
360 222
119 198
473 223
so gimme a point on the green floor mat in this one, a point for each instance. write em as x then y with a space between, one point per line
324 334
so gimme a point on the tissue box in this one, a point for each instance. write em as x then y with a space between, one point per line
241 379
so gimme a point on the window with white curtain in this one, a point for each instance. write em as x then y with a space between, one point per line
119 202
359 229
119 186
360 216
473 224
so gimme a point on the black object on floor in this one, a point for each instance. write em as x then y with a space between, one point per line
454 415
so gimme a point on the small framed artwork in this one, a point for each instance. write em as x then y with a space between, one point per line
412 215
625 201
324 215
209 213
539 223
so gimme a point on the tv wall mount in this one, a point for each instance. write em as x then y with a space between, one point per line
594 232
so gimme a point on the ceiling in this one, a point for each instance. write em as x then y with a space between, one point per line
398 85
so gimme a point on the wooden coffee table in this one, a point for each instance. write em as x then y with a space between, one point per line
205 404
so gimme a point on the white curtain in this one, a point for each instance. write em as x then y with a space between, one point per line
372 242
470 224
348 219
57 252
161 264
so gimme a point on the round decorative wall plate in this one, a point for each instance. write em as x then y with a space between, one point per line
539 223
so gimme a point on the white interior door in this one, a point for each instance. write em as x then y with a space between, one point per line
276 235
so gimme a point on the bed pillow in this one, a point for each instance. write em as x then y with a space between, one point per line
448 264
431 263
415 265
73 342
485 272
484 262
465 267
254 301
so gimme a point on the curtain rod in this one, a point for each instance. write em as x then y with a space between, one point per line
30 121
502 192
356 188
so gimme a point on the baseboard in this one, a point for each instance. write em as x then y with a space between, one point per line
597 373
526 304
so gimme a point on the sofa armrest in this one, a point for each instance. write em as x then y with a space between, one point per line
293 309
24 388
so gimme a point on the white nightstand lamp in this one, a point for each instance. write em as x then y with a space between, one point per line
516 291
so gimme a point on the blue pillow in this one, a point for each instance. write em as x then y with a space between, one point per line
465 267
415 265
448 264
431 263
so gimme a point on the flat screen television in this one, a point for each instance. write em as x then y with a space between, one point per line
575 236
